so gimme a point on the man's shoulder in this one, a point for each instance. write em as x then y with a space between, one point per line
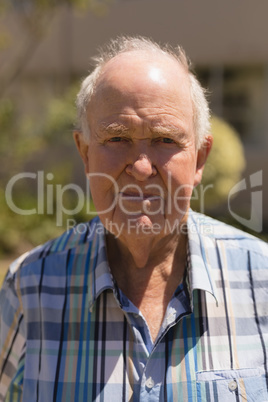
231 236
78 236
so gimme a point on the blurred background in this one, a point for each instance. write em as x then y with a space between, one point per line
45 51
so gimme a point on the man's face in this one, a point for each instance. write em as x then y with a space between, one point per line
141 159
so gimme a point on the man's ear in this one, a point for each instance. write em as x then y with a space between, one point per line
82 147
202 155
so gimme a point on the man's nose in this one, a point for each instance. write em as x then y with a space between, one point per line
142 168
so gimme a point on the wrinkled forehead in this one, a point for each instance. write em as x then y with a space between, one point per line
135 89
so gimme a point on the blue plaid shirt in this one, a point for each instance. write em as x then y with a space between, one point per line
67 333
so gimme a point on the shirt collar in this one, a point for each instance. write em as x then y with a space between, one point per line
199 277
100 277
200 269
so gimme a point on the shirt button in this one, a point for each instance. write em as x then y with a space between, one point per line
232 385
149 382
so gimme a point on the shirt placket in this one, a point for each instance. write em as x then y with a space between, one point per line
152 369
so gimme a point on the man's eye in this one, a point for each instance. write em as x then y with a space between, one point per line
167 140
115 139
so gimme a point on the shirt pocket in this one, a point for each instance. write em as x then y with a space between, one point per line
232 385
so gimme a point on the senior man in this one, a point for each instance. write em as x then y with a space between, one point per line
152 302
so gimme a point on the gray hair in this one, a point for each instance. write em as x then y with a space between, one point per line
124 44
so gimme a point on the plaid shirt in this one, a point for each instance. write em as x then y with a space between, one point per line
68 334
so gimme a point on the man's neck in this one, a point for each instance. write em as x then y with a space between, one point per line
150 286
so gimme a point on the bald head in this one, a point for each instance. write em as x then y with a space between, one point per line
130 61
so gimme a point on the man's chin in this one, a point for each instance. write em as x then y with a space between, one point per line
141 226
144 225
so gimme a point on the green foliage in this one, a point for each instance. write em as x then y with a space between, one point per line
18 232
60 116
16 142
31 142
5 39
224 166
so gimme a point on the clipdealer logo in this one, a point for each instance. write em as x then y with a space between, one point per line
50 197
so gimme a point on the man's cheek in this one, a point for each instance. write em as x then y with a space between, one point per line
182 197
103 189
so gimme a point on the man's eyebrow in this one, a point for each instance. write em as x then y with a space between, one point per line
114 128
167 129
